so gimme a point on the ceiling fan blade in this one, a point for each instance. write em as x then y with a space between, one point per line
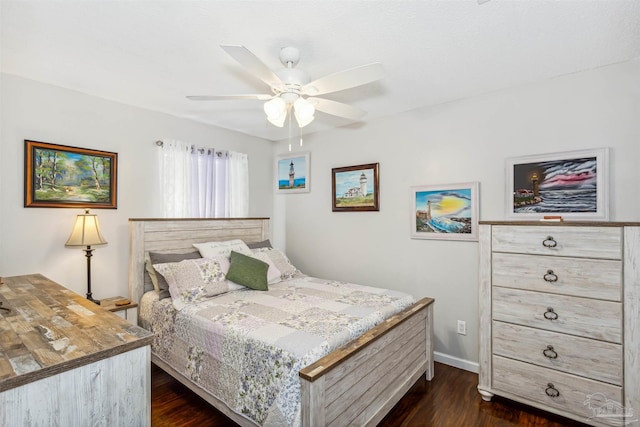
263 97
253 64
337 108
346 79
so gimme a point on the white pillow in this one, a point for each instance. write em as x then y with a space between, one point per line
279 260
273 274
192 280
213 249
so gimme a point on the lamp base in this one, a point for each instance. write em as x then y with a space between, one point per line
8 310
89 254
90 298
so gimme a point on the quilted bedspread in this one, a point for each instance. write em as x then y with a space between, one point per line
246 347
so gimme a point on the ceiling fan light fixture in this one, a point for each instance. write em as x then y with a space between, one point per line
303 121
288 86
275 108
303 111
278 121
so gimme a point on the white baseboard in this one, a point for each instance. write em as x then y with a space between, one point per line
467 365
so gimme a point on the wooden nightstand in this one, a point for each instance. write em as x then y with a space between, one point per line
127 311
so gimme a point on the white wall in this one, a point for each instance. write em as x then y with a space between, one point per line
457 142
32 239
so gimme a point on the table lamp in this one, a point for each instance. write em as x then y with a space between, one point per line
86 233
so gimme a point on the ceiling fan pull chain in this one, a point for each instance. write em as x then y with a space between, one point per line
300 129
289 117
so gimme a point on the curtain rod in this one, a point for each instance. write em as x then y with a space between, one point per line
159 143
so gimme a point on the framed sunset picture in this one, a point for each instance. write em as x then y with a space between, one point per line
571 185
445 212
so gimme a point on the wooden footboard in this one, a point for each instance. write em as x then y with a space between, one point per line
359 383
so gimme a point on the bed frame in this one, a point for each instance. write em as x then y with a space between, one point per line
357 384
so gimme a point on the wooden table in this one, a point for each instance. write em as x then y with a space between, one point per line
67 361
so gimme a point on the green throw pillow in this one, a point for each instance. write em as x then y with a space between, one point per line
248 271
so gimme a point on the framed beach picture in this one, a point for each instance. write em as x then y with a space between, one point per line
445 212
355 188
293 173
572 185
59 176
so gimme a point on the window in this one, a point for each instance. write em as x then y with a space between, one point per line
200 182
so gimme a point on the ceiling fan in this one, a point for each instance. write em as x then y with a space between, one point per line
292 88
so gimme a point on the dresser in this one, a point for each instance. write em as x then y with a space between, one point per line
65 361
559 307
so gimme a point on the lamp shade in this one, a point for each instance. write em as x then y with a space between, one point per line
278 121
86 231
303 111
275 108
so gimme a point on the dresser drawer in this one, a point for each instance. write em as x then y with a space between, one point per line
571 315
585 357
583 277
579 396
587 242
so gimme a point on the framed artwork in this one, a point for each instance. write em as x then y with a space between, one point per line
355 188
59 176
293 173
445 212
573 185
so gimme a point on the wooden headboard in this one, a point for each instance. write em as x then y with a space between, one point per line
177 235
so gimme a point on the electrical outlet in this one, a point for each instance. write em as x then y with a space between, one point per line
462 327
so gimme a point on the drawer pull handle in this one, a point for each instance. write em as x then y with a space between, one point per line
551 391
550 353
550 314
550 276
549 242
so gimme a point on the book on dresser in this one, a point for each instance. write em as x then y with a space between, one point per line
559 307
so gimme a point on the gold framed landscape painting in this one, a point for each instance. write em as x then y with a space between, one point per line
445 212
60 176
355 188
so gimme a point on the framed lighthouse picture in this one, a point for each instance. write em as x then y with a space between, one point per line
293 173
570 185
355 188
445 212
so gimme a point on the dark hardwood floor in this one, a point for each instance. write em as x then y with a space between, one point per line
449 400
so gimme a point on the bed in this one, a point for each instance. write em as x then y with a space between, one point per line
356 384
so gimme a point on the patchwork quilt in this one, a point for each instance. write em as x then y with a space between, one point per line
246 347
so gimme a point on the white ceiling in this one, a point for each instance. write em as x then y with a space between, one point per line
152 54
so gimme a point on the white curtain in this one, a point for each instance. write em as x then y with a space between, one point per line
238 185
200 182
175 179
